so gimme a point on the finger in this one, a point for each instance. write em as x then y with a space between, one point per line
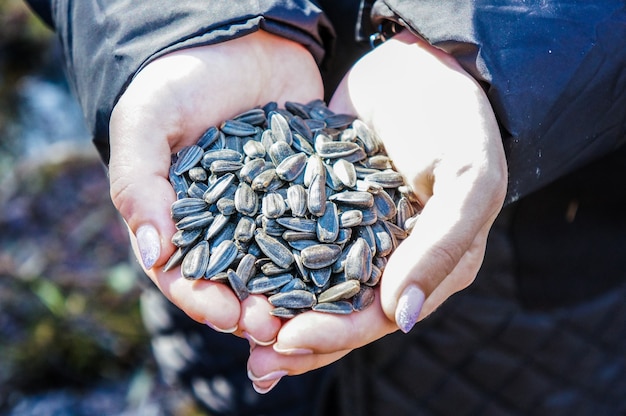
321 333
140 190
455 219
266 367
256 323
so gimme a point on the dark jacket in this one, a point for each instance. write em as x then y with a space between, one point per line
553 70
541 331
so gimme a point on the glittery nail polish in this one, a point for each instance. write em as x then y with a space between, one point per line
149 245
409 307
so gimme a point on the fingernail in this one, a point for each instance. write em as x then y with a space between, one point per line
218 329
274 375
409 307
264 390
149 245
292 351
256 341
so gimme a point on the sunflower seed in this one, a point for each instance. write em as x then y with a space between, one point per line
386 179
316 197
320 255
291 236
273 249
297 200
366 136
223 166
271 269
328 224
273 205
335 150
196 261
197 174
237 128
188 157
183 238
264 284
350 218
218 189
265 181
375 276
187 206
197 189
294 284
208 137
340 307
301 144
298 109
345 172
245 229
382 238
279 126
246 201
385 207
340 291
320 277
336 121
364 298
255 116
358 265
216 226
211 156
238 285
252 169
196 220
285 313
358 199
222 256
295 299
246 267
291 166
176 258
302 244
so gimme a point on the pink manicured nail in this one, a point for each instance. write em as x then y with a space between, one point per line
409 307
274 377
149 245
224 331
256 341
292 351
264 390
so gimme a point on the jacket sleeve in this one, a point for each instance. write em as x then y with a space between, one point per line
554 72
107 43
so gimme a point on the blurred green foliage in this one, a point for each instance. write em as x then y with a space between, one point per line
69 299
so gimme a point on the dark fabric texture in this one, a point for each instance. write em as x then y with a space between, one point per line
554 72
212 366
543 64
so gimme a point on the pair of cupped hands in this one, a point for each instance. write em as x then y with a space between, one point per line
435 122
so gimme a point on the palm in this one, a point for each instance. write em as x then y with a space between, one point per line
171 102
438 128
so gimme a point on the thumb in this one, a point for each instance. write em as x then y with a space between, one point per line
441 256
139 185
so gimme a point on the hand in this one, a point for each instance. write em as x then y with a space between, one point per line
168 105
438 127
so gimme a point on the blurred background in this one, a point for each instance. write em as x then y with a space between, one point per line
71 337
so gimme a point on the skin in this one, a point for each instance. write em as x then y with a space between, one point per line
436 124
168 105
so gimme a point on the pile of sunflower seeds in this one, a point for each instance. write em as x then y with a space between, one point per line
300 204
